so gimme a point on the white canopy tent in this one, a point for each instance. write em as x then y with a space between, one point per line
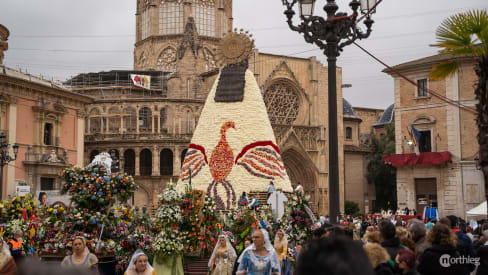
478 211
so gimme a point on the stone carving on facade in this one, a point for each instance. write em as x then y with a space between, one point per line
308 136
282 103
52 157
283 71
210 63
167 60
190 39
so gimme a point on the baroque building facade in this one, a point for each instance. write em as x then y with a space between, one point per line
441 170
149 129
46 121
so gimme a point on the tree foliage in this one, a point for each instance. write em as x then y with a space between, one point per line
351 208
380 174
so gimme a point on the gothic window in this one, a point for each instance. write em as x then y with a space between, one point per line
114 119
48 134
145 162
163 113
95 120
167 60
170 17
145 24
209 60
145 116
282 103
166 162
130 120
130 162
204 15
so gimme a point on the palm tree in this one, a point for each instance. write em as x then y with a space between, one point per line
466 35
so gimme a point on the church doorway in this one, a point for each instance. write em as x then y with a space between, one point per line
300 170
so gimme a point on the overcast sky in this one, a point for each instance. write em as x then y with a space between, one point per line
61 38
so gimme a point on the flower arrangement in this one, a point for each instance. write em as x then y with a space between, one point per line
191 207
92 188
138 238
211 226
167 243
169 240
299 219
243 225
21 207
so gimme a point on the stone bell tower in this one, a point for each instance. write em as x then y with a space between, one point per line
167 30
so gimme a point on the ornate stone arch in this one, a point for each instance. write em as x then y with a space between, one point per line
167 60
283 101
300 169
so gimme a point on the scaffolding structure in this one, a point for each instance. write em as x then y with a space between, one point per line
119 79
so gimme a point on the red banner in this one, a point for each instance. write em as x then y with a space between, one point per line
426 158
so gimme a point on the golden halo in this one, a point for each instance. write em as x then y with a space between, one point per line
234 48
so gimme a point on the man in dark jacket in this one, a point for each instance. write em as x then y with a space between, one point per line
464 245
390 242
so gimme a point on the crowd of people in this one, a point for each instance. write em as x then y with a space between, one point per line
381 245
394 246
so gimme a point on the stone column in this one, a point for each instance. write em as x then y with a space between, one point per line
155 167
9 178
152 123
137 122
137 161
121 122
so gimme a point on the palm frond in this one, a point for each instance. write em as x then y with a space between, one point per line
443 70
460 33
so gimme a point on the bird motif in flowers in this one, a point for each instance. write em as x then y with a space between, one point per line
260 159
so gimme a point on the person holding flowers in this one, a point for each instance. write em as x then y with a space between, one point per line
81 256
260 258
139 265
223 257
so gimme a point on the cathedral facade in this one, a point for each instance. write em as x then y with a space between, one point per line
148 130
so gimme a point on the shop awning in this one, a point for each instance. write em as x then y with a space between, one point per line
426 158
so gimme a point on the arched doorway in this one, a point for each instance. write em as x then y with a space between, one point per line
145 162
166 162
301 170
130 162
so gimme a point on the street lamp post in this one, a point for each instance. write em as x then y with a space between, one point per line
5 157
331 34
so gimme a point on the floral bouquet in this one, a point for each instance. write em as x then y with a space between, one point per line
139 238
245 222
167 243
92 188
300 218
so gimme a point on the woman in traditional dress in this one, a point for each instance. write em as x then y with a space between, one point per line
281 244
7 263
81 256
139 265
223 257
260 258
